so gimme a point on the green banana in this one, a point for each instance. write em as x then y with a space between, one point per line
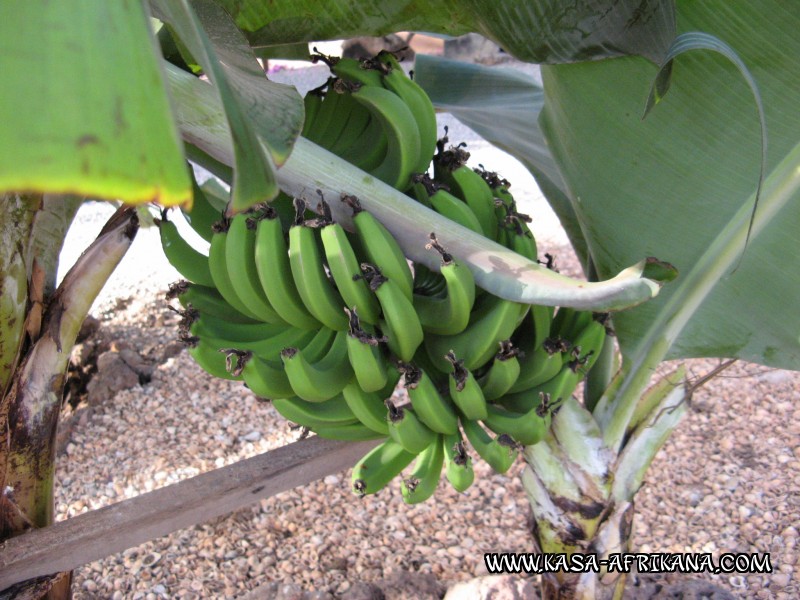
203 213
275 273
219 362
424 479
476 194
581 358
327 116
403 151
363 72
369 149
346 272
396 80
308 272
266 376
190 263
269 348
320 381
433 409
218 266
524 428
347 432
381 248
442 201
448 315
538 366
401 325
207 326
240 250
368 407
331 413
493 320
406 428
354 132
457 462
502 373
366 357
499 452
465 391
312 103
379 466
207 301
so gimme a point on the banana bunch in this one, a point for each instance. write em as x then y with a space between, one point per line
326 322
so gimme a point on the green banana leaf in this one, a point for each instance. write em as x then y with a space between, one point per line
538 31
214 40
84 110
669 185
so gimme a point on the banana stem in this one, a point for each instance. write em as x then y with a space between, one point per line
16 223
31 407
311 169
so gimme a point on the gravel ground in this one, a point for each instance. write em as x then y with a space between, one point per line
728 480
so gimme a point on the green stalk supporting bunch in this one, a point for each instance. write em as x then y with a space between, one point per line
325 322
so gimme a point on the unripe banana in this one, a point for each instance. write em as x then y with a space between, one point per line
266 377
433 409
366 356
403 153
499 452
275 273
368 407
379 466
418 102
493 320
442 201
406 428
422 483
465 390
348 432
331 413
401 325
204 213
206 300
502 374
216 361
381 248
308 272
346 272
457 462
240 252
324 379
450 314
476 194
218 266
524 428
190 263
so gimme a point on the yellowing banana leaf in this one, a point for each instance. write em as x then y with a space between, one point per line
84 108
680 184
536 30
214 40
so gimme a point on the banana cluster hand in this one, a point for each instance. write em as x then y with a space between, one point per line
325 322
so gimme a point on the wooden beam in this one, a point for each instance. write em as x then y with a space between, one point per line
68 544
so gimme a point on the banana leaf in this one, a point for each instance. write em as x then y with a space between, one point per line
670 184
84 109
545 31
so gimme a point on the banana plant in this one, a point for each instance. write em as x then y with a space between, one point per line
609 176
